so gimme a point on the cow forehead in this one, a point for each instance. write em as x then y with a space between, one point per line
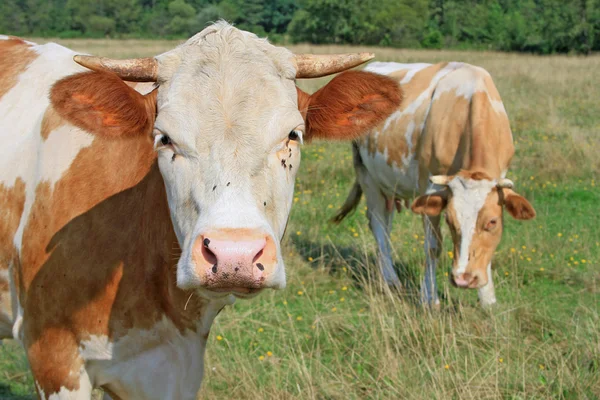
468 198
227 81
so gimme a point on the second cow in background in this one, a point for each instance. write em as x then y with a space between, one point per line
449 144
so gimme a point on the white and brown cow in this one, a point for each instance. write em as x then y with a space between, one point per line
450 144
132 213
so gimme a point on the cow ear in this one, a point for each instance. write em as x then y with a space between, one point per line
517 205
430 204
102 104
349 105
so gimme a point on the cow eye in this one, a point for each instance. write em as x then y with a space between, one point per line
491 224
162 140
295 134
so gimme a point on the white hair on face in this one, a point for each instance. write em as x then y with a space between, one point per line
468 198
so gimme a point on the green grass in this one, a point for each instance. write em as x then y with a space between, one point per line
336 333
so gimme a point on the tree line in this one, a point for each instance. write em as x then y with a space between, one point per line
537 26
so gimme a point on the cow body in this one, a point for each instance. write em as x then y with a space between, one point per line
451 122
91 252
133 213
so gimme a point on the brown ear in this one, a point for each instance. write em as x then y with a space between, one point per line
102 104
430 204
517 205
349 105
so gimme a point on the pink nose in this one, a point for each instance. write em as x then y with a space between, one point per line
230 252
461 282
235 260
467 280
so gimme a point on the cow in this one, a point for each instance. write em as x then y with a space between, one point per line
447 147
139 197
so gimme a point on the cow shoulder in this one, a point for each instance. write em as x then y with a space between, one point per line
17 54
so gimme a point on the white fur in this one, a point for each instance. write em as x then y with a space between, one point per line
84 391
386 68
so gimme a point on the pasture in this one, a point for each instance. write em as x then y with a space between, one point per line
336 333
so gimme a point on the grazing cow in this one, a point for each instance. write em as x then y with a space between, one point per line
450 144
132 213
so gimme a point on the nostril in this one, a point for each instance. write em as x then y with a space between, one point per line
257 256
209 256
260 266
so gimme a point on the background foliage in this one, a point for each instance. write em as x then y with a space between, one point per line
538 26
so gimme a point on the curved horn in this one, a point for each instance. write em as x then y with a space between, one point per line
317 65
442 180
133 70
505 183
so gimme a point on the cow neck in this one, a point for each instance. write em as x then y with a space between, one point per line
491 139
104 228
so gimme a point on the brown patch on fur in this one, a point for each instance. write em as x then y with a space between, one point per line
430 204
349 105
466 134
102 104
491 147
490 87
446 138
16 56
50 122
54 359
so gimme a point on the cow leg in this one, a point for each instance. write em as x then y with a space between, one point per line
487 294
380 221
6 322
433 248
58 371
82 392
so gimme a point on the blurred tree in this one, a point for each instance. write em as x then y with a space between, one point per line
540 26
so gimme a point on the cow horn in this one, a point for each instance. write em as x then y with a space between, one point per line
133 70
505 183
317 65
439 179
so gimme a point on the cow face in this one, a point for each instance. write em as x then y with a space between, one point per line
229 126
474 206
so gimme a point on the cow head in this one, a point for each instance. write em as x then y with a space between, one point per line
227 122
474 206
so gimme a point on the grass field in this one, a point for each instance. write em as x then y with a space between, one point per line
334 334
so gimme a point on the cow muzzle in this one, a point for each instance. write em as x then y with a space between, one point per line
469 280
240 261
